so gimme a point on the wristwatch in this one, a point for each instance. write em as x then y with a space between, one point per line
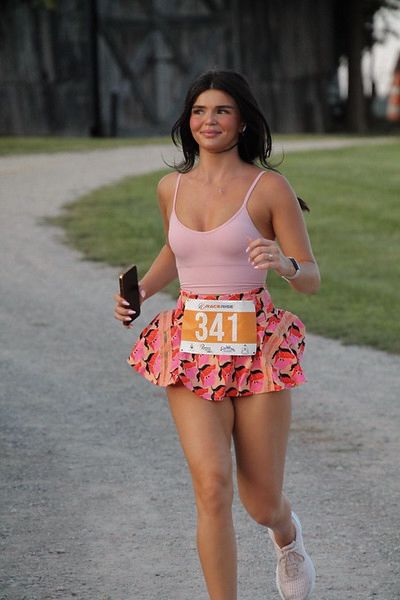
297 271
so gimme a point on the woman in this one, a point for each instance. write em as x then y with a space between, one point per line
228 374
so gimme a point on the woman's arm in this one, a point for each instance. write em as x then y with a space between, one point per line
163 269
291 238
160 274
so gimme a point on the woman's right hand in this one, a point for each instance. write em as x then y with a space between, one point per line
123 311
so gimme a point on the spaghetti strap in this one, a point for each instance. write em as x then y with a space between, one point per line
178 180
251 188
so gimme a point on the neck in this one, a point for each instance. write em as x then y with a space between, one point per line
220 166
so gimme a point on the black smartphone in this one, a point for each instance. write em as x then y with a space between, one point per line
129 290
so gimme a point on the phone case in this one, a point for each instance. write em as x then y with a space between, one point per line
129 289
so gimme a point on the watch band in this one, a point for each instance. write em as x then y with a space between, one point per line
297 271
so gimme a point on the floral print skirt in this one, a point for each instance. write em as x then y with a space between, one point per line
275 365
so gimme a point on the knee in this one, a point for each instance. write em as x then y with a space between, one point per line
265 511
214 494
267 516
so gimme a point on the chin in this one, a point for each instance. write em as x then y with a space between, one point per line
215 148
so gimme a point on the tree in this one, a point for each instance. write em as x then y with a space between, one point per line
354 33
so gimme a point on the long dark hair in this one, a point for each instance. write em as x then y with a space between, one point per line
254 144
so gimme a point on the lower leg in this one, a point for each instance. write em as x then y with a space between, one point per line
216 545
205 430
261 432
283 527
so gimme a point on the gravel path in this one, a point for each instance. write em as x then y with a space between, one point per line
95 500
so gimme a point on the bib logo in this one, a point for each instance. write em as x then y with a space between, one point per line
228 349
205 306
205 349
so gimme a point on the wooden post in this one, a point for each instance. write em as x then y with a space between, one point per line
356 113
96 128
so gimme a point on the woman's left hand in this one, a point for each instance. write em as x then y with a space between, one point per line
266 254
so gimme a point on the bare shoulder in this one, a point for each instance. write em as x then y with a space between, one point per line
273 198
166 187
276 188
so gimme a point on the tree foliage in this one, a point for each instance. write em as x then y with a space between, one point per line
344 25
354 32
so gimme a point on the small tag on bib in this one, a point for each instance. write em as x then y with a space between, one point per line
219 327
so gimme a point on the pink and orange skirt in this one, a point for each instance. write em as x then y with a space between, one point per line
275 365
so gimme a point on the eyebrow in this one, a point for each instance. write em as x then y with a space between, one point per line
219 106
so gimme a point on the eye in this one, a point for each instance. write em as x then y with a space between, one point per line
223 110
197 111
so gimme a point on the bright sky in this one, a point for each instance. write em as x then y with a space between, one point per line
382 59
384 56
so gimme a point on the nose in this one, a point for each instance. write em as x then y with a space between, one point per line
211 118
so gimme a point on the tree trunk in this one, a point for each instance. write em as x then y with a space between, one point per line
356 111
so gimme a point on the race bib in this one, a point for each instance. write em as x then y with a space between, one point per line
219 327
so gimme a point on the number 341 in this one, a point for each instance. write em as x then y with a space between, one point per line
216 329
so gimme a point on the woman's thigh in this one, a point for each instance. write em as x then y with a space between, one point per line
205 433
261 430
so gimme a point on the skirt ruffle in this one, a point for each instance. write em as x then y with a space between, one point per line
274 367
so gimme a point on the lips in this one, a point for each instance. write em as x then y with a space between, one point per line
210 133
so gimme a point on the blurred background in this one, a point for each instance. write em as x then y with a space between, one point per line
121 67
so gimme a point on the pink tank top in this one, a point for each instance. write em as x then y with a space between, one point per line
215 261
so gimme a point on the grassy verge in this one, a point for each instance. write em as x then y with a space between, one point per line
354 226
49 144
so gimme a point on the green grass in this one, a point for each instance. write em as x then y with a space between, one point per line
354 226
355 230
50 144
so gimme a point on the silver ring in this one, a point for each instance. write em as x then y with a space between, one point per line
269 255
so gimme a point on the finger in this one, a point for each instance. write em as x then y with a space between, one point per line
120 300
124 309
118 316
123 305
265 260
127 313
262 255
124 313
266 253
142 295
265 265
265 250
259 242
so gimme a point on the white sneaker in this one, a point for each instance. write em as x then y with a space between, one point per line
295 572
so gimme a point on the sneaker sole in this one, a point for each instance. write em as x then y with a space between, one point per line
312 584
308 559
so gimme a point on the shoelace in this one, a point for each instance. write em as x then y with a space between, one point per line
291 561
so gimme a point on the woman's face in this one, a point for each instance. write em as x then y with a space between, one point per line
215 120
